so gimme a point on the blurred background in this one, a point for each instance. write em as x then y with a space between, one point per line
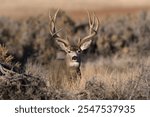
124 26
24 8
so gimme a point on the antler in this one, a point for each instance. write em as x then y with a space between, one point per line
94 25
53 31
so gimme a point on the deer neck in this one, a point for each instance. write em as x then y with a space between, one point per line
74 73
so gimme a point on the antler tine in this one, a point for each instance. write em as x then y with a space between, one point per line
96 20
54 17
56 14
51 24
53 30
93 19
89 17
93 25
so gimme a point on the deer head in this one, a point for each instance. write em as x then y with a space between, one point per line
73 48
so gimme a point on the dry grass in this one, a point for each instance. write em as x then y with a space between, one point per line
121 78
118 64
4 57
125 78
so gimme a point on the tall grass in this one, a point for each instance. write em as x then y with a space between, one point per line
115 78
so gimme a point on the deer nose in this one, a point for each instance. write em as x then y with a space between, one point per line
74 58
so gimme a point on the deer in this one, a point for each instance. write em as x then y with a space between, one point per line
73 49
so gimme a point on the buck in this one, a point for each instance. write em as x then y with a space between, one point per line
73 48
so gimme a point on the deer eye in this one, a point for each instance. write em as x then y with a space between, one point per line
78 51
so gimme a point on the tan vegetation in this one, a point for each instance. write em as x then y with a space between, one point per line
124 78
116 66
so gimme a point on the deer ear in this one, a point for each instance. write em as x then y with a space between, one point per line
85 45
62 45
